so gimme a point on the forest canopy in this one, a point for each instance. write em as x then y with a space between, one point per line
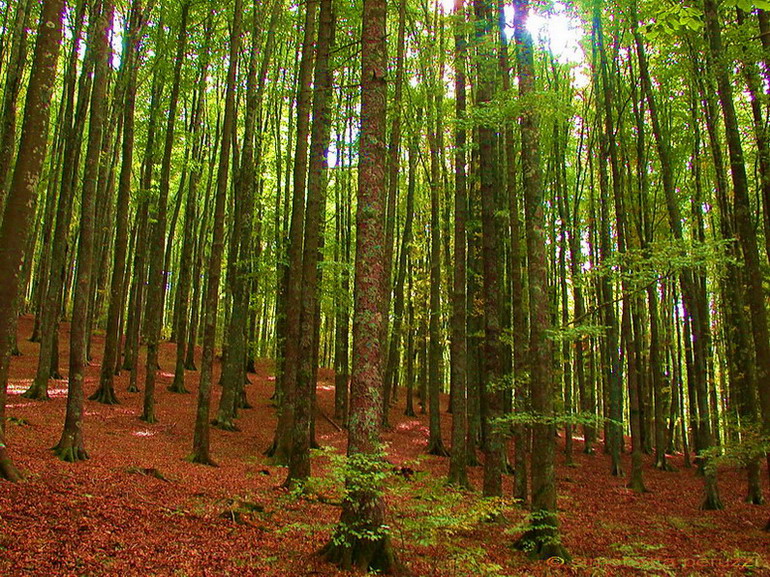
551 218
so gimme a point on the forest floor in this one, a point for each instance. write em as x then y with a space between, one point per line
138 508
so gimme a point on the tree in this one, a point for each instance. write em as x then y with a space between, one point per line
71 446
361 538
542 538
20 203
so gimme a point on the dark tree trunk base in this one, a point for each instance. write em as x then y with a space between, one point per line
133 389
190 367
177 388
8 470
712 502
70 453
105 395
666 467
436 447
149 419
541 541
224 425
36 393
363 554
243 402
201 460
459 480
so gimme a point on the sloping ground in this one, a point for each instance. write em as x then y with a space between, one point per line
138 508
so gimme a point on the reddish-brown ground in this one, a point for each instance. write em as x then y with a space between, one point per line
112 515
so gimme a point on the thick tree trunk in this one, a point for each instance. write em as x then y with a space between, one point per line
20 202
361 539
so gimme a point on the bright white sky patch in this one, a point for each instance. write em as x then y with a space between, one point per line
556 30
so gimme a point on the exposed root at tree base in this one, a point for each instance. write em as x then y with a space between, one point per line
437 448
36 393
541 541
70 454
105 395
201 460
8 470
178 388
224 425
365 555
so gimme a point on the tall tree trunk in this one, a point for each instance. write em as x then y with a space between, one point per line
299 457
20 202
188 239
542 537
156 278
211 301
755 295
492 354
288 343
48 358
394 153
70 447
130 60
361 539
458 463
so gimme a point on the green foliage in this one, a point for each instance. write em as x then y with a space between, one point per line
751 445
541 535
507 421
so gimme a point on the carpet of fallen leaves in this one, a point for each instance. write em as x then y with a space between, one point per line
137 507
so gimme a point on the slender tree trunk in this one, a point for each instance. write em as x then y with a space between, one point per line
755 295
155 284
458 463
543 536
299 457
201 436
288 355
106 391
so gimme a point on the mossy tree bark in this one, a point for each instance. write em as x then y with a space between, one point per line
361 540
71 445
21 199
542 538
458 462
201 439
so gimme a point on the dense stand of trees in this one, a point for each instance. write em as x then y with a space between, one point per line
559 215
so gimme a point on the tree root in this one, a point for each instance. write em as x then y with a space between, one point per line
36 393
224 425
69 453
364 554
541 541
436 447
8 470
105 395
201 460
177 388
